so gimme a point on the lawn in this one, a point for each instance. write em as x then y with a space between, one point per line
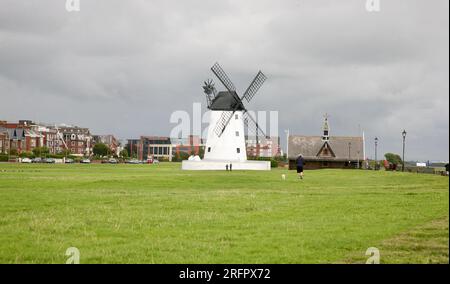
160 214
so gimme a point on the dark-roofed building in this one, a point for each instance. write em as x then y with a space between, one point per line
326 151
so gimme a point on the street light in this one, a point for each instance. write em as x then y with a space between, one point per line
403 159
287 144
349 151
376 145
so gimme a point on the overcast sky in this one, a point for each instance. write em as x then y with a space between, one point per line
123 67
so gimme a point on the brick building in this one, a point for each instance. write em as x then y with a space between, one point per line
263 147
78 140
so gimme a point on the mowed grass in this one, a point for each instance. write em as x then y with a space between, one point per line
160 214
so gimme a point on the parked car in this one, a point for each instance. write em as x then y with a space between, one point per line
50 161
37 160
85 161
26 161
152 161
69 161
133 162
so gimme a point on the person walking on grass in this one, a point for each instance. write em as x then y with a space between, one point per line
300 164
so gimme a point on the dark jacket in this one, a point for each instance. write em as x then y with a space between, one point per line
300 162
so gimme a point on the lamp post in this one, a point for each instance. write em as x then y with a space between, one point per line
287 145
376 146
349 151
403 158
358 166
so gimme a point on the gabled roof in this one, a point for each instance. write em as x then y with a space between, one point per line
326 148
16 133
311 146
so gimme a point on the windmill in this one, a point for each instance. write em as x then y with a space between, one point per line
230 117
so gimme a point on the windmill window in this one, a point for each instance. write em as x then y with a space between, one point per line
237 133
209 149
238 150
236 116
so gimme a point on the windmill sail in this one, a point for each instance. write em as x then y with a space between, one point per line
253 126
223 122
254 86
222 76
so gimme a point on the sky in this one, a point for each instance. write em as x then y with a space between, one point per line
123 67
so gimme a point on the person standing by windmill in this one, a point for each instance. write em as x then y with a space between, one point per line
300 165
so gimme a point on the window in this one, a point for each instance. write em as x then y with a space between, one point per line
237 133
209 149
238 150
236 116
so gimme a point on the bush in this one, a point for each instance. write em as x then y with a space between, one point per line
3 158
26 155
41 151
393 158
273 161
180 157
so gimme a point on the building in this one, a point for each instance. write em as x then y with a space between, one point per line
76 139
163 148
192 145
263 147
25 136
52 140
108 140
326 151
4 141
155 147
19 135
133 147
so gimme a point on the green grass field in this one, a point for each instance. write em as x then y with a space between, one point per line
160 214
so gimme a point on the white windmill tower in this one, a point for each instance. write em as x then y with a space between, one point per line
225 143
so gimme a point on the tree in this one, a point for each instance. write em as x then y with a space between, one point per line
124 153
180 156
393 159
101 149
39 151
13 152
